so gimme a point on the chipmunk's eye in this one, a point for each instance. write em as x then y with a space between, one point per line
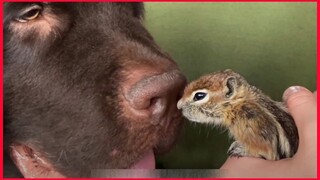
199 96
230 85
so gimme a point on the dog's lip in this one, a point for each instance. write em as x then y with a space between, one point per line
166 121
147 161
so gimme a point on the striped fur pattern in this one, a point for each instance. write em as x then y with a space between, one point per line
260 126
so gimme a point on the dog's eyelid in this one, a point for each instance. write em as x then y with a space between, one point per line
29 13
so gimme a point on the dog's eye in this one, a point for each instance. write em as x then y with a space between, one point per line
199 96
30 13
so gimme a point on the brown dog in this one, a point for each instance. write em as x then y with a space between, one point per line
85 87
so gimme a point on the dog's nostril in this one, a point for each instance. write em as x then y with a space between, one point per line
158 110
179 96
153 101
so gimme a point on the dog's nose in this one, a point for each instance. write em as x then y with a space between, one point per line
156 96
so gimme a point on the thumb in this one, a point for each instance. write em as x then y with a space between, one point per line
302 105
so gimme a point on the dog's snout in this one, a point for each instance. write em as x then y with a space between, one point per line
156 96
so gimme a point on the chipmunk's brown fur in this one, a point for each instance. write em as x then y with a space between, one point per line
261 127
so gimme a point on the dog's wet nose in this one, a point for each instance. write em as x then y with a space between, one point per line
156 96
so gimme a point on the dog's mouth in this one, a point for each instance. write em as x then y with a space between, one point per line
168 138
147 161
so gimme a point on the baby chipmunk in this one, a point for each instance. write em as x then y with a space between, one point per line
260 126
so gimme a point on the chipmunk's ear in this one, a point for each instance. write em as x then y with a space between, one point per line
231 84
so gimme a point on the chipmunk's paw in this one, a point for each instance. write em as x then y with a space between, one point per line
236 150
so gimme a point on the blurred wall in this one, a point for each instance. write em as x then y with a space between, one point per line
272 44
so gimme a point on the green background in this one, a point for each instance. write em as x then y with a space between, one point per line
272 44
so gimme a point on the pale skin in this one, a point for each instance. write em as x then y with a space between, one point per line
302 105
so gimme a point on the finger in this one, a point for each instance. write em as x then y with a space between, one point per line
302 106
236 167
239 162
249 167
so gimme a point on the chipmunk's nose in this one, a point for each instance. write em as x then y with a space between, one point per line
180 104
155 97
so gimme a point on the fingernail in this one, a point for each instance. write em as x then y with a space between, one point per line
291 90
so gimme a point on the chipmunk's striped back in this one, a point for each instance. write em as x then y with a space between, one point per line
260 126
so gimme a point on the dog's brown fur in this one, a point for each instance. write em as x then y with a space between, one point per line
64 75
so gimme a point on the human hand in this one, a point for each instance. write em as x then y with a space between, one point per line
302 105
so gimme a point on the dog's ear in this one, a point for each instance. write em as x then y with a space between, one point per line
31 163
